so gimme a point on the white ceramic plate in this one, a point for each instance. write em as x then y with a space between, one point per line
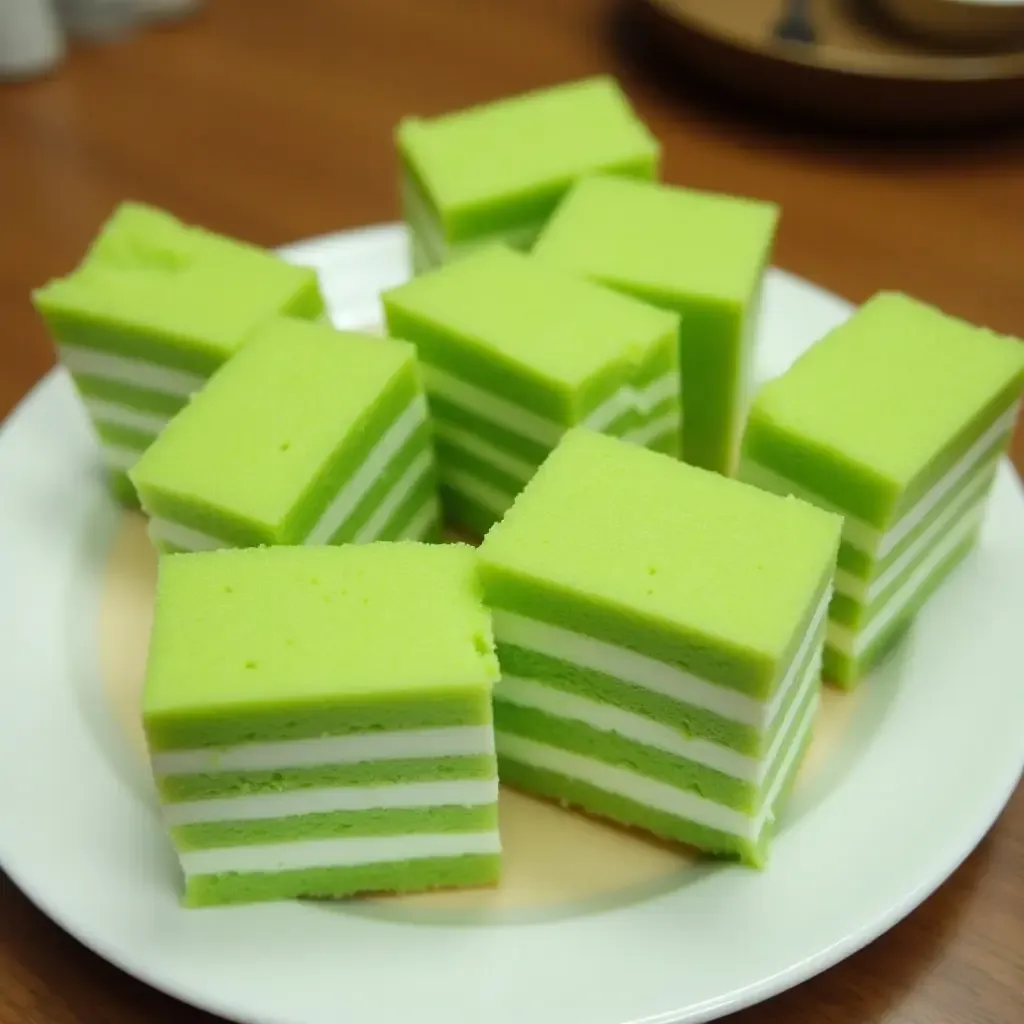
591 925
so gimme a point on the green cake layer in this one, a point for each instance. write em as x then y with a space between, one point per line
513 353
496 171
698 254
895 420
296 745
660 631
308 435
325 883
153 309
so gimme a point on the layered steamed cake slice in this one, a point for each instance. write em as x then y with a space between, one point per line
659 629
513 353
495 172
307 436
698 254
319 721
155 307
897 420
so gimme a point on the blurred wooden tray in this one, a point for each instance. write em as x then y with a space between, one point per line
862 69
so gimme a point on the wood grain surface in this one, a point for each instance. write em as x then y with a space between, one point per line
272 121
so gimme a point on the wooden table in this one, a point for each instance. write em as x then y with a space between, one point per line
273 122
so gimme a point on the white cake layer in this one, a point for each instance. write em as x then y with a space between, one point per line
868 538
124 370
414 475
633 399
658 676
454 741
853 642
517 419
529 693
660 796
114 414
266 806
376 462
344 504
336 853
492 407
425 520
480 491
472 444
667 423
423 220
521 469
166 531
118 457
860 590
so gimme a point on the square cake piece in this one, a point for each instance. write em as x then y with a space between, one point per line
308 436
495 172
319 721
153 309
696 253
513 353
659 630
896 420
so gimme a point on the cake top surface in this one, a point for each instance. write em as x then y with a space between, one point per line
150 270
641 532
297 626
269 419
533 318
523 143
888 389
670 244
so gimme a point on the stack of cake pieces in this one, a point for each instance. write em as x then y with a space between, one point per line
319 721
513 353
307 436
495 172
698 254
660 631
152 311
896 420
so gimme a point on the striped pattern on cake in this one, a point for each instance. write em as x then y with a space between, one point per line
355 810
660 631
429 247
648 743
474 177
895 420
348 458
319 720
129 400
886 575
151 312
500 402
489 447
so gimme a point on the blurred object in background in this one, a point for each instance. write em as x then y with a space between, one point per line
103 19
33 32
960 23
31 38
865 63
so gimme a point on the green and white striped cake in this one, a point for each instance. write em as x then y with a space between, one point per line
696 253
495 172
660 631
514 353
896 420
319 721
307 436
155 307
